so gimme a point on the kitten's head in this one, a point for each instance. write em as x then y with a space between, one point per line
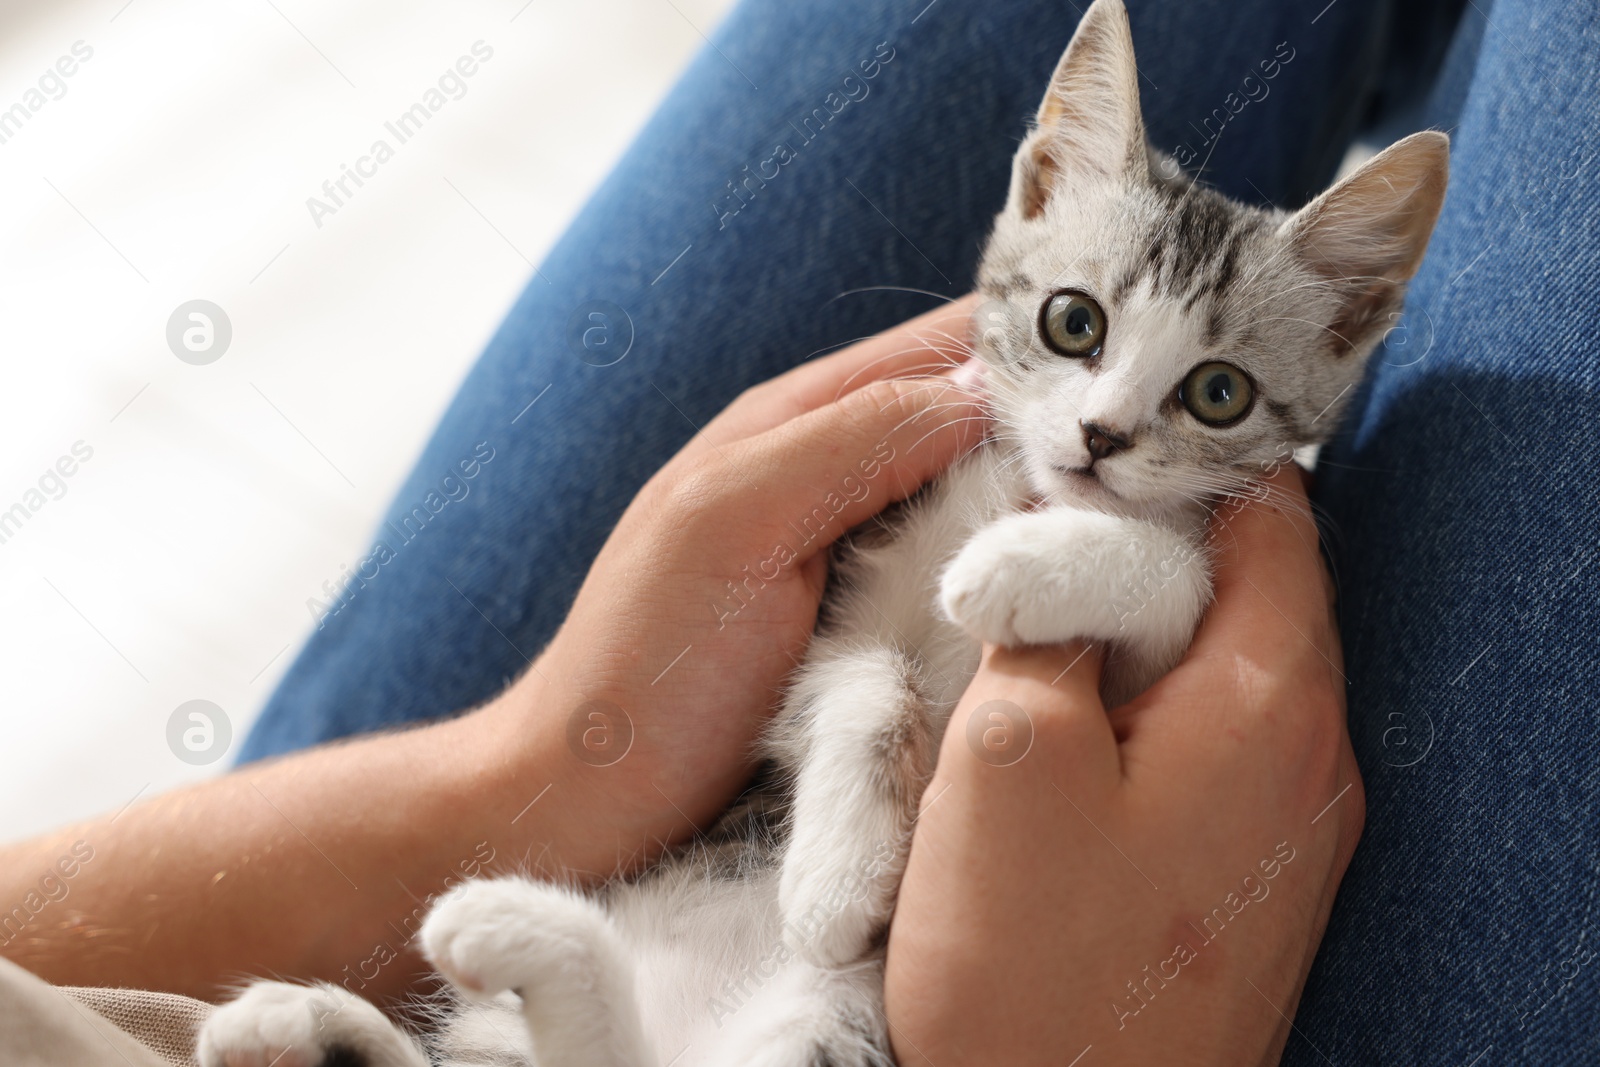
1152 343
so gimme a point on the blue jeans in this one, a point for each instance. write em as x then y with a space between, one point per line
1462 510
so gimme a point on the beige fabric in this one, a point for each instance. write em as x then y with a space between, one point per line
167 1025
45 1026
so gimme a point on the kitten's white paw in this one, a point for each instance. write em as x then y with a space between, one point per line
478 935
999 589
555 949
283 1025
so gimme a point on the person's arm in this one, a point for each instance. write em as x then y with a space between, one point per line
320 864
307 866
1149 883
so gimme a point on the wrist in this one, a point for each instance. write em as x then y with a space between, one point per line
565 768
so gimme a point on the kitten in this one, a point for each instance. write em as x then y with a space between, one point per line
1150 345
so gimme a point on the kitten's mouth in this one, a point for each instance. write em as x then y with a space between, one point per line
1083 481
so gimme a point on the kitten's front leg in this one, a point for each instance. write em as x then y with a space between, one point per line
1049 576
857 738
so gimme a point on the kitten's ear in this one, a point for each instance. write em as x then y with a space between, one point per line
1089 122
1368 233
1378 220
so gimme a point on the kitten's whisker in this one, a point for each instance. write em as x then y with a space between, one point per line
1251 489
1283 293
943 360
836 346
933 384
951 341
955 342
914 416
893 289
936 429
1308 322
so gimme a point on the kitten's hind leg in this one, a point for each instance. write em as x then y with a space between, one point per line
856 736
559 952
303 1026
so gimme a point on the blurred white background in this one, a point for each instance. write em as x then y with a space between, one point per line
174 164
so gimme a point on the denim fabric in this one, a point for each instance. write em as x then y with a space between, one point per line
1463 527
897 189
1465 503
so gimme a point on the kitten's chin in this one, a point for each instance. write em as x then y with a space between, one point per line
1066 485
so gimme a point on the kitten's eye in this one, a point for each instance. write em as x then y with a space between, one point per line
1073 325
1217 393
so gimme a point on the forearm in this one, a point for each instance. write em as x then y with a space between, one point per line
319 865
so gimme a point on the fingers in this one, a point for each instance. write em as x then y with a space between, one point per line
934 341
1265 662
1036 709
1273 591
810 479
1052 675
929 343
1058 689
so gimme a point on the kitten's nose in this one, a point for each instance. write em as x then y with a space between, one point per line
1102 442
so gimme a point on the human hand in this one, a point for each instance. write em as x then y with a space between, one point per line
1152 882
705 595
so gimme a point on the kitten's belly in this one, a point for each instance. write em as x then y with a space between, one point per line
890 595
704 947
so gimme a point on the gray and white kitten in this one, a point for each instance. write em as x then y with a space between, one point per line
1150 345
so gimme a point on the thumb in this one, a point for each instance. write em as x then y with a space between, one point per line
814 477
